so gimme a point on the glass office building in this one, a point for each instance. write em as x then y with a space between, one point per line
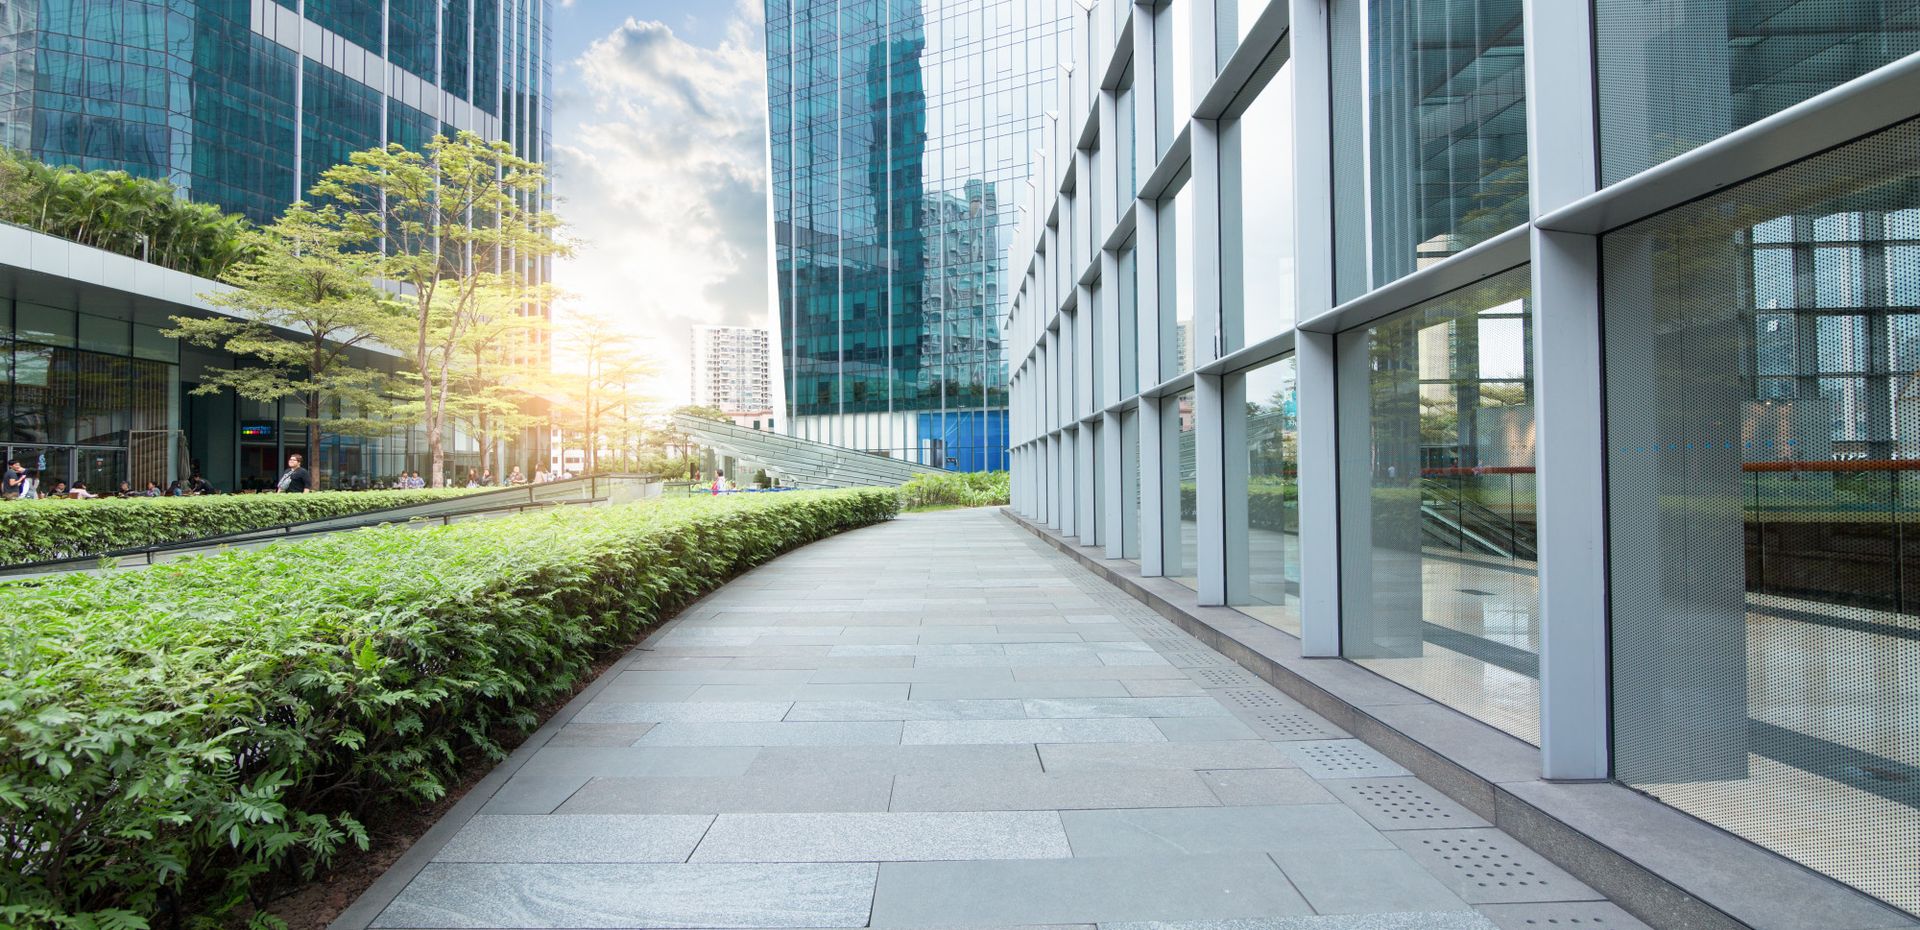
900 132
241 104
1432 348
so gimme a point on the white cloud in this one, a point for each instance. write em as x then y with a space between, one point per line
660 163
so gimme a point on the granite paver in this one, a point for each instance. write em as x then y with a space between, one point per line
940 722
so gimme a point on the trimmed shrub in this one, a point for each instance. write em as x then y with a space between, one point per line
37 530
176 739
957 489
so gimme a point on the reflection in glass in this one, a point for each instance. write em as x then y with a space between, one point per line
1173 70
1256 216
1449 128
1265 535
1175 236
1128 311
1129 485
1676 74
1763 418
1232 19
1438 586
1181 539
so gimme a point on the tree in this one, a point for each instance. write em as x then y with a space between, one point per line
601 394
450 225
300 305
493 391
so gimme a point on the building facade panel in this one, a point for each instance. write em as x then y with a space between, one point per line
1634 494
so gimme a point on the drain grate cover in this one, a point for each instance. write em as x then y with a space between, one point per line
1575 915
1403 804
1342 758
1258 698
1489 867
1223 677
1196 659
1289 725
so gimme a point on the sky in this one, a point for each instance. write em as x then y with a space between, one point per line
659 164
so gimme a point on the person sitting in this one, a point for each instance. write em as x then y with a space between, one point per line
152 489
198 484
516 477
125 490
60 489
79 492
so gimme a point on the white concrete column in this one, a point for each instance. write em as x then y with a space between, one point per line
1086 480
1113 487
1237 558
1570 447
1203 185
1319 506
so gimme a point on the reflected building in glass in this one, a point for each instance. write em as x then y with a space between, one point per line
1556 361
899 131
240 104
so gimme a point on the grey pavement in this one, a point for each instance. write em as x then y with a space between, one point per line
940 722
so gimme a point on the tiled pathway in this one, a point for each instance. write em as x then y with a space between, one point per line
939 722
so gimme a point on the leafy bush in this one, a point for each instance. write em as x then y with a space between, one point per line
36 530
113 210
956 489
180 736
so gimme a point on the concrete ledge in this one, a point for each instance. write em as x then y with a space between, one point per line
1665 867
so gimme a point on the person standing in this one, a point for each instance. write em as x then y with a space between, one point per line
296 479
16 485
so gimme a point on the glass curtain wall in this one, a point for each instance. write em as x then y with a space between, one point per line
1266 535
1439 590
1676 74
1180 536
1130 485
1256 216
1439 88
1175 233
1763 416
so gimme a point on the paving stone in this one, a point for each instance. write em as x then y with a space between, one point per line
1078 790
489 895
1195 756
1403 804
1419 920
649 661
1203 729
802 692
713 676
772 734
907 710
1341 758
1245 787
636 761
1103 672
644 692
591 838
1489 867
884 837
1001 690
978 760
994 894
1134 659
1080 648
1126 707
681 712
914 675
819 662
533 794
1185 831
1086 660
1577 915
1361 881
761 792
1164 687
926 732
599 734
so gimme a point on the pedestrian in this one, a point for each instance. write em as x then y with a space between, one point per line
487 480
296 479
16 483
126 490
718 476
515 477
176 489
198 484
80 492
59 488
152 489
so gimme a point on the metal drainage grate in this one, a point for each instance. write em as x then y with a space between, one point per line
1404 804
1196 659
1286 725
1256 698
1223 677
1576 915
1341 758
1487 866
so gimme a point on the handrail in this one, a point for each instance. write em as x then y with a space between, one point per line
1856 465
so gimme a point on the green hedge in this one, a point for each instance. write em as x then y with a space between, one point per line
193 731
956 489
36 530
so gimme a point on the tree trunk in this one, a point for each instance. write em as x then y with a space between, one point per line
312 455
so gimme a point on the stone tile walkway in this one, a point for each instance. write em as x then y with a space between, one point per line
939 722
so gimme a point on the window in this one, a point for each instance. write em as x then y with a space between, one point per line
1263 525
1256 216
1438 586
1181 537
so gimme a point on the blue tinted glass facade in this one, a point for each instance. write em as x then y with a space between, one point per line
898 131
217 97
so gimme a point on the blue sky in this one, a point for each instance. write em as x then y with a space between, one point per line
659 162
